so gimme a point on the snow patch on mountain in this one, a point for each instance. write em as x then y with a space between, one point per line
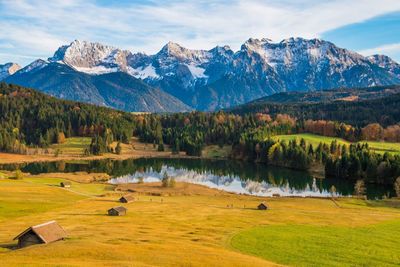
35 65
96 70
197 72
143 72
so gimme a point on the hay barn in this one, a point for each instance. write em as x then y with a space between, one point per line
262 206
65 184
117 211
41 234
127 199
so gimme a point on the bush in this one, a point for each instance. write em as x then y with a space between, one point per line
168 181
18 175
359 188
165 180
118 148
160 147
172 182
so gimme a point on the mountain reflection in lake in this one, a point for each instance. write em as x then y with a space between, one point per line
233 184
235 177
228 175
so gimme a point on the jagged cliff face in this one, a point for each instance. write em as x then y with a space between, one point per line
220 77
386 63
8 69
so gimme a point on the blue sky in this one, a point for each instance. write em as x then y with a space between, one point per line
32 29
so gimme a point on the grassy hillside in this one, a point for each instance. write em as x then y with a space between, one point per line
190 226
379 147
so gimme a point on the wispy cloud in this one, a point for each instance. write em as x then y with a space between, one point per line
37 28
384 49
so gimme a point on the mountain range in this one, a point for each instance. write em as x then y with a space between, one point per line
181 79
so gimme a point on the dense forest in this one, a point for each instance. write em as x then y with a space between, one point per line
31 119
384 111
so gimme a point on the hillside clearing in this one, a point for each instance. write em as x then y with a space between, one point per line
314 140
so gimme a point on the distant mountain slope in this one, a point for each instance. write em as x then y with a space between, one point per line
117 90
341 94
220 77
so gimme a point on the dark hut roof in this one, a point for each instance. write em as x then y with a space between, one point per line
262 205
119 209
66 182
128 198
47 232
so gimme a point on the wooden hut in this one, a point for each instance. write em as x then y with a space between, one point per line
65 184
127 199
262 206
117 211
41 234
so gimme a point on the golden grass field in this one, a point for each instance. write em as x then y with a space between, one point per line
74 147
189 225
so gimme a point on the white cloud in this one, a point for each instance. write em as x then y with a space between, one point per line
36 27
384 49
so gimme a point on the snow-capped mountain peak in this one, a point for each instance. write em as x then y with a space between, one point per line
261 67
92 58
8 69
174 51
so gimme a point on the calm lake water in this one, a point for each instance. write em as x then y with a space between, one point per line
231 176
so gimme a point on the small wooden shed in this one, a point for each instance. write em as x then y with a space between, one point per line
117 211
262 206
65 184
41 234
127 199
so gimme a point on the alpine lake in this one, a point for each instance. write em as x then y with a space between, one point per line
232 176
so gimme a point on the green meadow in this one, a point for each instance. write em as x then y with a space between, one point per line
379 147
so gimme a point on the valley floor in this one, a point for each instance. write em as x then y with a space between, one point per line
191 225
73 149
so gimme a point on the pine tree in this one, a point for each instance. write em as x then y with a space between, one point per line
118 148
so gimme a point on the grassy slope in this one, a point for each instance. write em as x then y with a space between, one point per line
308 245
380 147
190 229
73 145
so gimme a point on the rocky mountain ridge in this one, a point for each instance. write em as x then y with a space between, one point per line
220 77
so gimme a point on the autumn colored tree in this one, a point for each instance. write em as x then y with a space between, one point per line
60 138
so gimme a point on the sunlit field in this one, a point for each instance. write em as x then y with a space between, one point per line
379 147
191 225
